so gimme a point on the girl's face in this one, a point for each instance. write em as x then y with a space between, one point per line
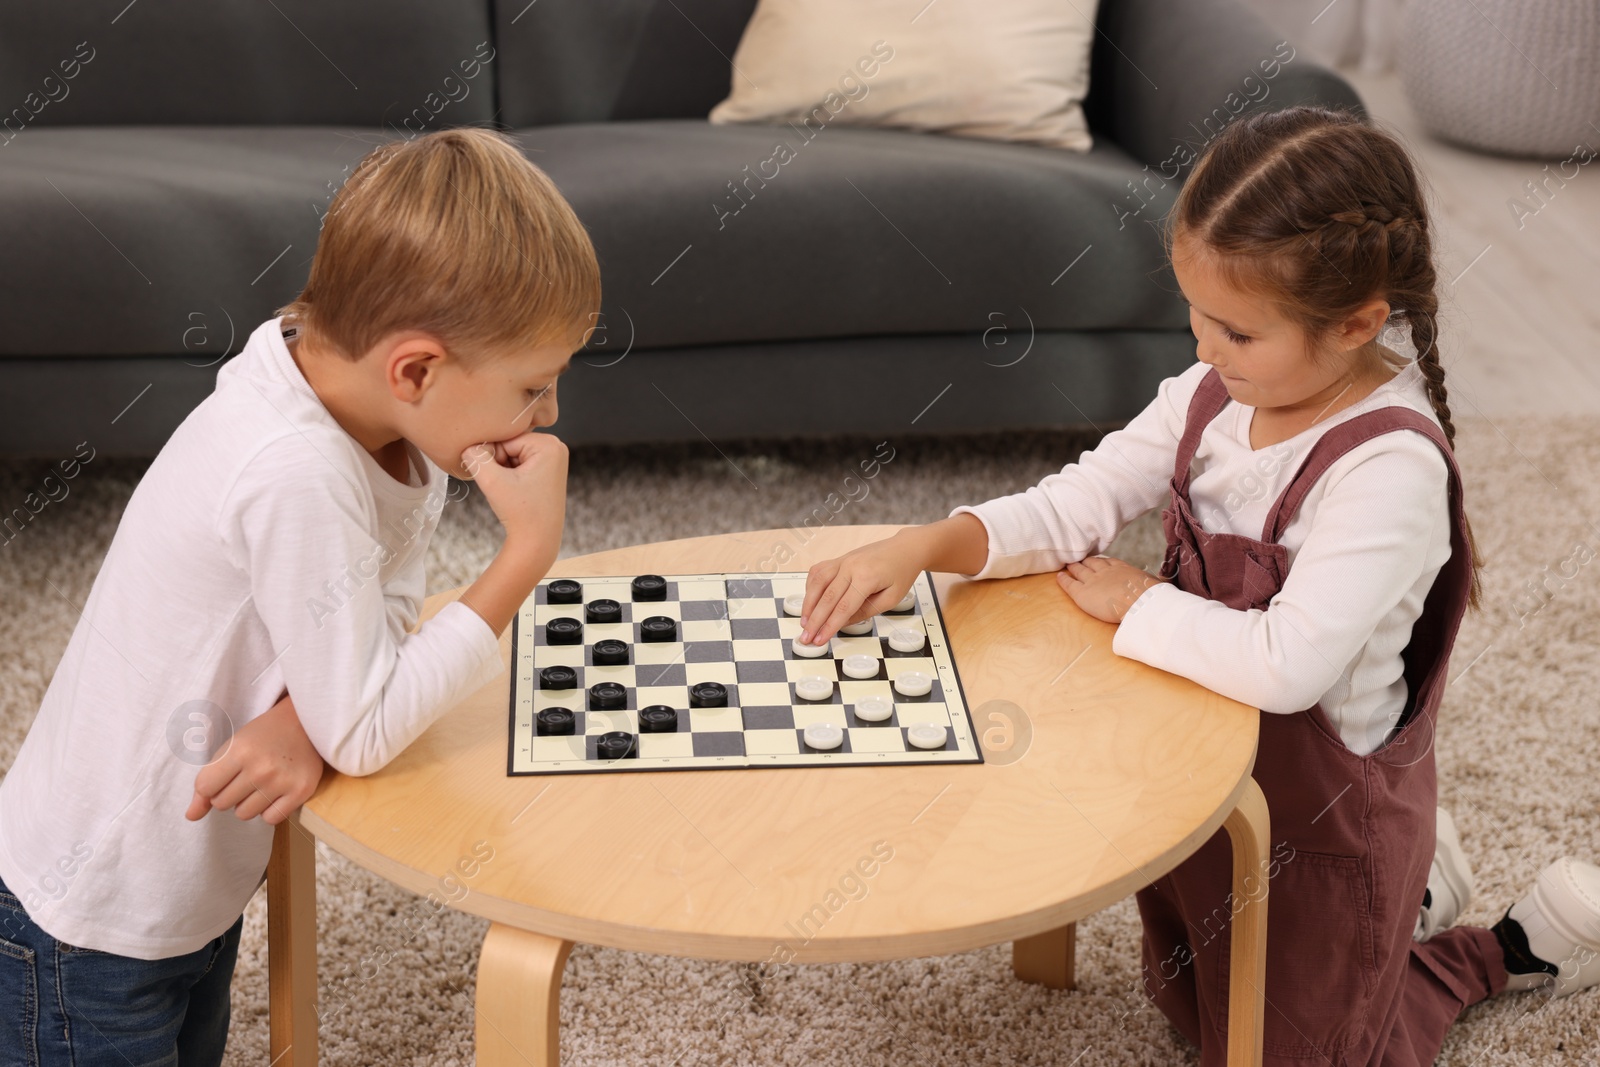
1261 356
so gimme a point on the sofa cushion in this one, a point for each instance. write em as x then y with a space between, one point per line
161 240
245 62
175 238
1024 67
604 60
712 234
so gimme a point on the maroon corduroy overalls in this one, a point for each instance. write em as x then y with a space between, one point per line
1353 836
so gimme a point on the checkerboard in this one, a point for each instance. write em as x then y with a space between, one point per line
731 629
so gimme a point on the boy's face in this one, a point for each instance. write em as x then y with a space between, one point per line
444 408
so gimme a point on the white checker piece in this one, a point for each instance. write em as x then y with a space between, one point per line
733 630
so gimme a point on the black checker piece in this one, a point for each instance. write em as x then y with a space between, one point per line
708 695
649 587
618 744
554 722
558 677
658 628
608 696
563 631
563 591
602 610
658 719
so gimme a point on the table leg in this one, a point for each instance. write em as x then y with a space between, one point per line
1047 958
519 998
292 946
1250 829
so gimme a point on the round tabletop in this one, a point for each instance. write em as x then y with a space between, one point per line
1101 775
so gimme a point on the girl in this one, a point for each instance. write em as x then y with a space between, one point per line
1299 236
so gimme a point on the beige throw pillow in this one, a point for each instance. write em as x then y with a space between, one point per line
1009 70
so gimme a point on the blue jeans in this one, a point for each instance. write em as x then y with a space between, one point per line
64 1006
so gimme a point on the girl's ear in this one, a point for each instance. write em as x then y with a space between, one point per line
1363 324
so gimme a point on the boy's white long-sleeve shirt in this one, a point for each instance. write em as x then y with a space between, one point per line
1364 549
264 551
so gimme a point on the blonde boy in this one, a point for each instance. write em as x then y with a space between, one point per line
250 618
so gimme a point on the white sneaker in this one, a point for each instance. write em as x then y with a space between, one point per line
1561 921
1449 881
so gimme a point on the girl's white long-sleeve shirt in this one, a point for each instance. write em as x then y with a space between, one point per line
1364 549
264 550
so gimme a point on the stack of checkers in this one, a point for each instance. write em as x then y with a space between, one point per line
689 671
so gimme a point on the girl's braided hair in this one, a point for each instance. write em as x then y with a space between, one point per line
1322 212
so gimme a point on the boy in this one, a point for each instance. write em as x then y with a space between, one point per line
256 597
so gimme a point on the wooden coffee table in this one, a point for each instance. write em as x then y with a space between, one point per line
1128 771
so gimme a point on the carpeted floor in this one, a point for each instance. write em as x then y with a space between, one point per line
1517 752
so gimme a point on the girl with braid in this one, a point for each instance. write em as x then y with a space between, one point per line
1318 564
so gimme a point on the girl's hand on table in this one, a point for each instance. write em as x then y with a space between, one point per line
1105 587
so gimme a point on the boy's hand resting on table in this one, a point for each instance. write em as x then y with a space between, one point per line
1105 587
268 768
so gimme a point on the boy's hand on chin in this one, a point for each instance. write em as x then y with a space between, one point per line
269 768
525 482
1105 587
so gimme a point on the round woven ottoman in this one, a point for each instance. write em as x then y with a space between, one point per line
1518 77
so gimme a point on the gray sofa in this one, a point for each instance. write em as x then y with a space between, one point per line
164 166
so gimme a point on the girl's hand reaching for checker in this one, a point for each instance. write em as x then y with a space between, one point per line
873 578
1105 587
855 586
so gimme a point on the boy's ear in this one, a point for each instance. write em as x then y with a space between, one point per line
412 365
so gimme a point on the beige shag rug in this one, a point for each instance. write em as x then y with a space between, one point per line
1518 749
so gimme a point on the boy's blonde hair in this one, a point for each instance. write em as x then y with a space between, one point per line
457 234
